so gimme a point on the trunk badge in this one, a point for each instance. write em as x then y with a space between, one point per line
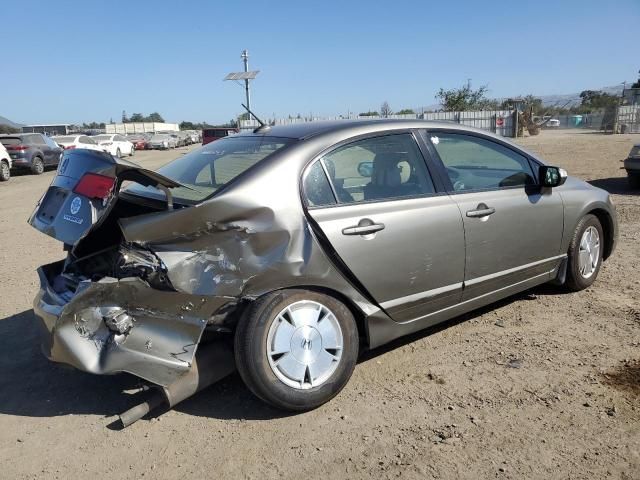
76 203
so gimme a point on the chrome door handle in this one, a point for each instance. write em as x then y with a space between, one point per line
481 211
361 229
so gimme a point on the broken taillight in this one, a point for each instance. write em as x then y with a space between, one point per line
92 185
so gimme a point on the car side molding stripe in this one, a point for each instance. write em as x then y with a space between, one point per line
442 291
421 296
501 273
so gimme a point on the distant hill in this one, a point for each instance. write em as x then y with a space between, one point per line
574 98
6 121
549 100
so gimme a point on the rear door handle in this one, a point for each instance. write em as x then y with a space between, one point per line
363 228
481 211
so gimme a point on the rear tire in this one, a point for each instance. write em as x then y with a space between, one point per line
296 349
37 166
133 150
118 153
634 181
5 171
585 253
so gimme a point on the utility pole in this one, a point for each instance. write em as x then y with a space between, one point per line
247 76
245 59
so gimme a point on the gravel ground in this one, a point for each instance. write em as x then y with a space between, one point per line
541 385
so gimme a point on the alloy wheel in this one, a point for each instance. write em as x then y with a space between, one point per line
589 252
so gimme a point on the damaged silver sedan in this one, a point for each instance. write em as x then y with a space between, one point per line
285 251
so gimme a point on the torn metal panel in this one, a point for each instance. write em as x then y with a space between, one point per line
90 331
235 245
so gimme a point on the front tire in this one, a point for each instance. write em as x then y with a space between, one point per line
585 253
37 166
5 171
296 349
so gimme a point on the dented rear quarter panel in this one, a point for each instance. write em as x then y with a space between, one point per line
252 238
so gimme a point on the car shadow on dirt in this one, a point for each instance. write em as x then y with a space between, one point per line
32 386
615 185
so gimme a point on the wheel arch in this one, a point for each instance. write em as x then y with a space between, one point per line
604 217
358 315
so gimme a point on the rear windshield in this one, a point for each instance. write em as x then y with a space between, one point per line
10 140
100 138
64 139
208 168
216 133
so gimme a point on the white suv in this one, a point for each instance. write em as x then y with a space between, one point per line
115 144
5 164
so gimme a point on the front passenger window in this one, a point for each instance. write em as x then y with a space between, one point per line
475 163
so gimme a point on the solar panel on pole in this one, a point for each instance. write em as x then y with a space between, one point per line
246 76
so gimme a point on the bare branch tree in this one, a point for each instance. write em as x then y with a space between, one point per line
385 110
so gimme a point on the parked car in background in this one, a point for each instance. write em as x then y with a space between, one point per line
553 123
185 138
195 136
140 141
632 166
377 229
212 134
115 144
180 139
33 151
70 142
162 141
5 164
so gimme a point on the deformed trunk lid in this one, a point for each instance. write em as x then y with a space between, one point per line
68 216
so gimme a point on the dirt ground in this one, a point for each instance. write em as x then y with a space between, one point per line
542 385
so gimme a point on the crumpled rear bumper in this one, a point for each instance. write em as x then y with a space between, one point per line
159 346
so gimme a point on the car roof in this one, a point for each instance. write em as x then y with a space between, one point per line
304 130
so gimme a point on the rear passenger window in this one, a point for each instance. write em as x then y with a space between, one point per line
474 163
316 187
378 168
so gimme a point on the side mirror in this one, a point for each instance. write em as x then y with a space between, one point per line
552 176
365 169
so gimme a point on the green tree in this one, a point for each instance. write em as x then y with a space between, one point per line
465 98
136 117
155 117
369 114
406 111
592 100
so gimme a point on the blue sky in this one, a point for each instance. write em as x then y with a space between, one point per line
84 61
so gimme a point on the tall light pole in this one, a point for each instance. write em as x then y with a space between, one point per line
246 75
245 59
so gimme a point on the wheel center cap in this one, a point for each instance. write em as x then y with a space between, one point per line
306 344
